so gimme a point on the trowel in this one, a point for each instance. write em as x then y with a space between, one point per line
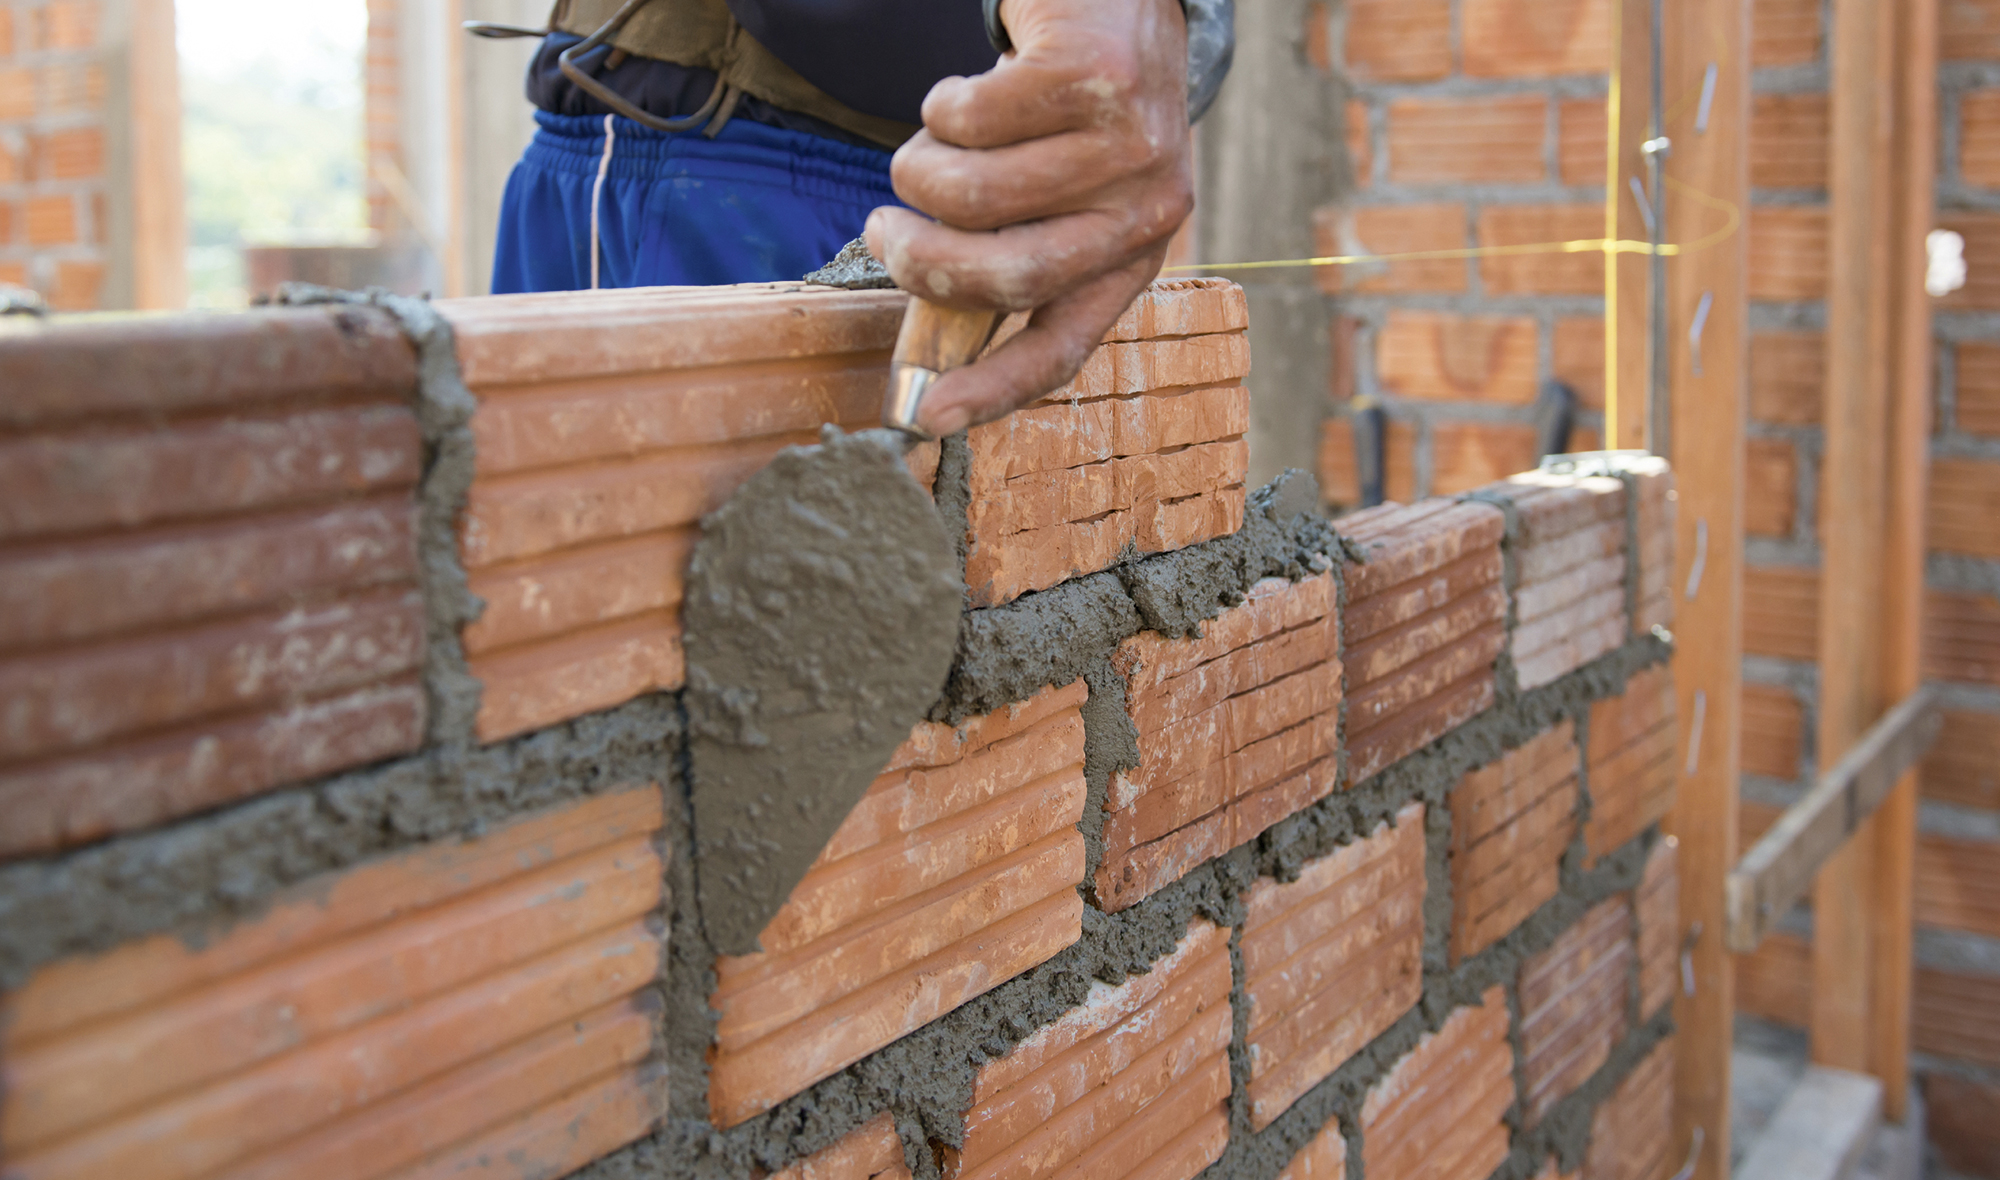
821 618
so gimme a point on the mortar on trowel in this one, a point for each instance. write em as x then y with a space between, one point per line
821 618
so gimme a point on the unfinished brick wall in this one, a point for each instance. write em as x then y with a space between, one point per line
1256 856
1958 854
1469 123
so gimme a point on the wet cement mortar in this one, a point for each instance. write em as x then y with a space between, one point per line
200 877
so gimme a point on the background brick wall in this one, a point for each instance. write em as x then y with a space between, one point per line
1469 123
54 174
1959 848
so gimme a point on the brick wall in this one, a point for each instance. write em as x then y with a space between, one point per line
1958 853
1232 857
1469 123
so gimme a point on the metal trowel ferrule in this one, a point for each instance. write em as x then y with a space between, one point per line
934 341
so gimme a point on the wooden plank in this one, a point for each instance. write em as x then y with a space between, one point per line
1776 873
1708 410
1893 897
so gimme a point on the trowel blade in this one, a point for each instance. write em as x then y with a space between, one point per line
820 621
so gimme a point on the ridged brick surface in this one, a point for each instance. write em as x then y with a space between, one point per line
1787 373
207 564
1439 1112
1633 761
1325 1158
1631 1134
1787 253
1774 733
871 1152
1535 38
1399 40
1962 1118
1655 512
473 1006
1781 612
1237 730
1331 960
1511 821
1573 998
956 872
1569 560
1144 449
1424 621
1657 908
1437 357
1133 1082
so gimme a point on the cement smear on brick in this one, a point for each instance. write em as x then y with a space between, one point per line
201 877
821 617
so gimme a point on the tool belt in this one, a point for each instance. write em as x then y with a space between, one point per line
702 34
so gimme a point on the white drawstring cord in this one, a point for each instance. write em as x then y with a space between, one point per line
597 197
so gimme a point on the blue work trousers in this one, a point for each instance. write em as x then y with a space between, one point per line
754 204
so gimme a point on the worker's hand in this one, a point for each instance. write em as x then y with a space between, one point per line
1057 179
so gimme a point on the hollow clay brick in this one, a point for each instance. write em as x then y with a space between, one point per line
1107 1071
1324 1158
1573 1001
1631 1133
1326 966
1439 1111
1437 357
491 985
1496 139
1656 907
1634 760
1569 596
1389 41
1511 822
1788 260
957 871
1392 229
871 1151
1237 729
1653 490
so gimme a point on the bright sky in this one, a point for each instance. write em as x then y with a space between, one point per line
318 45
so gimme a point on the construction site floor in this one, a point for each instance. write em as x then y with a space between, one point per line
1768 1062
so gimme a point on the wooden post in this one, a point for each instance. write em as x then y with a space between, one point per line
1709 397
1626 294
1911 347
159 240
1853 514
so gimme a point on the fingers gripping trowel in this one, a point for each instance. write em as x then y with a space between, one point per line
821 618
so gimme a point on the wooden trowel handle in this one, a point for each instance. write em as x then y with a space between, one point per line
934 341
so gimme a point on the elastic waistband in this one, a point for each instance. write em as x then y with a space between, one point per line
575 143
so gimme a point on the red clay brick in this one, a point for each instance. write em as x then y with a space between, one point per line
1781 612
1633 760
1521 225
1397 229
1787 377
1535 38
1511 823
70 155
1770 494
1652 482
1962 1117
1338 477
1465 455
1439 1111
1582 134
1325 1158
17 94
1459 358
1458 141
474 980
1573 999
871 1152
1773 732
1104 1069
1969 30
1979 388
955 873
1360 149
1788 33
1790 136
1788 260
51 221
1963 504
1657 907
1631 1134
1579 358
1962 637
1569 597
1332 960
1399 40
1963 766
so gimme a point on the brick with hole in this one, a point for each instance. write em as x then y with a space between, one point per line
1133 1082
1569 557
1441 1109
1424 622
1237 730
1573 1004
208 566
956 872
1331 960
1632 760
872 1151
1511 822
478 1004
1631 1132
